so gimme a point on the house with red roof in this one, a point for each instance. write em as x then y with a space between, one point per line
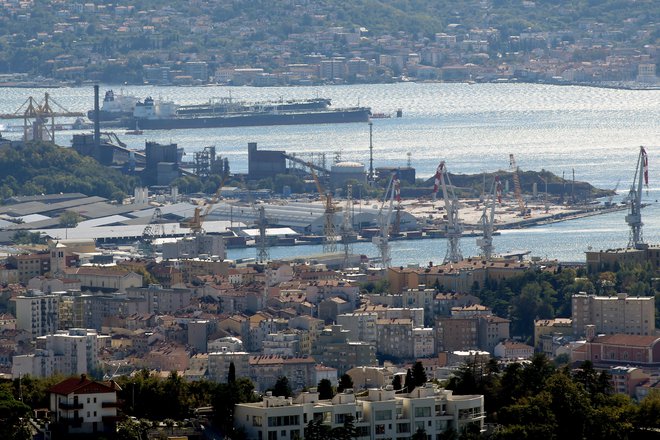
83 406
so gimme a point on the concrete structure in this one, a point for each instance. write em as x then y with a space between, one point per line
614 314
555 327
361 325
395 338
37 313
265 370
104 279
379 415
335 349
265 163
513 350
423 342
161 300
219 363
453 334
83 406
195 246
632 350
343 172
29 266
71 352
610 259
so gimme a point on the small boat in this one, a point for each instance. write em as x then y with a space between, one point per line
380 116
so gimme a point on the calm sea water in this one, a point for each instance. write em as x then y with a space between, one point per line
595 132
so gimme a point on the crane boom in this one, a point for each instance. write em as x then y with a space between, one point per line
454 230
634 217
196 222
488 219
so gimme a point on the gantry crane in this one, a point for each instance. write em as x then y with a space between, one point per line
634 217
454 229
382 240
39 118
329 232
347 225
152 231
262 243
516 186
485 242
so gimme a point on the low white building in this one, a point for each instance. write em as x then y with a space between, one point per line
83 406
380 414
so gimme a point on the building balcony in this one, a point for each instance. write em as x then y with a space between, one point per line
110 405
69 406
75 422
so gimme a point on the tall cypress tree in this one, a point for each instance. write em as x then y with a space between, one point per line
419 374
409 383
231 375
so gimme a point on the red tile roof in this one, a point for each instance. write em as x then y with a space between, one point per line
82 385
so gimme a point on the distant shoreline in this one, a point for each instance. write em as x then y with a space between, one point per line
624 86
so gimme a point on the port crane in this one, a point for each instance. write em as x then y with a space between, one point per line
346 230
516 186
454 229
634 217
485 242
197 221
39 118
382 240
152 231
262 243
329 232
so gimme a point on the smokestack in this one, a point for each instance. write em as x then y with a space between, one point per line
97 117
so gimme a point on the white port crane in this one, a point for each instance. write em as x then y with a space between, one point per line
454 230
634 217
485 242
382 241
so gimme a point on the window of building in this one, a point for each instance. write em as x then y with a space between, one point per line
383 414
380 429
423 411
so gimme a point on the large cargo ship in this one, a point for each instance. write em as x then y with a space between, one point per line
163 115
116 107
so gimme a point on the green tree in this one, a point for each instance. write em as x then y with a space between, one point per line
419 374
231 375
420 434
13 417
409 383
345 382
282 387
325 389
69 219
396 382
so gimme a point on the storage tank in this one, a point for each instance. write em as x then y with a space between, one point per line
341 172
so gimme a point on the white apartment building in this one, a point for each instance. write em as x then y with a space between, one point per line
382 414
69 352
614 314
37 313
83 406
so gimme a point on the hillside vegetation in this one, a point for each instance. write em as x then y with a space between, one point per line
47 169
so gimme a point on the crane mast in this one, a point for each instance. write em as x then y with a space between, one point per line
634 217
347 224
382 241
329 232
488 220
454 229
516 186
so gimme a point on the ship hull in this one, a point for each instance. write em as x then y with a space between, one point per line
249 120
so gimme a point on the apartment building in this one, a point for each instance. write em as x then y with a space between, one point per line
381 414
614 314
37 313
70 352
83 406
362 325
219 362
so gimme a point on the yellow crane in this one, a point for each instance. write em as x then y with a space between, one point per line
329 232
196 222
39 118
516 187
